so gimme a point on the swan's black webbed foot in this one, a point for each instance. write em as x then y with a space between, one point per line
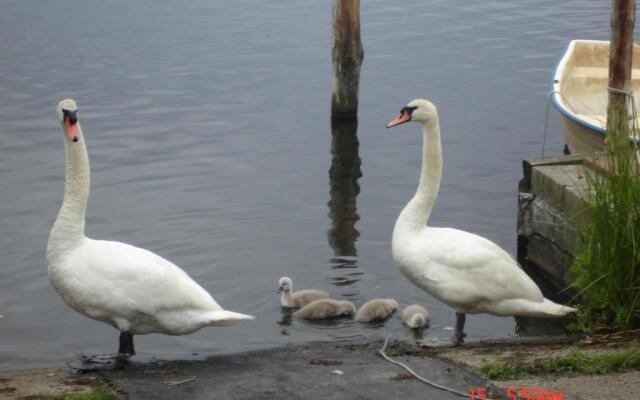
121 361
457 339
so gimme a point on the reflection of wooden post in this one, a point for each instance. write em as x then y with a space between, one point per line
347 56
620 57
343 178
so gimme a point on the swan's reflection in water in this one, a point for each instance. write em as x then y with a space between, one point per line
287 316
415 334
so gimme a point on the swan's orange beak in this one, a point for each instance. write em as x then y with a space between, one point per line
400 119
72 130
70 121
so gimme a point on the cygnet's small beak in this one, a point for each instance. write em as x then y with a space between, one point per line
70 121
400 119
280 289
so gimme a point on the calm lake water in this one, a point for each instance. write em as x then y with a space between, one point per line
210 139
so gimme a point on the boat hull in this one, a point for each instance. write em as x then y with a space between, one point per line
579 93
579 138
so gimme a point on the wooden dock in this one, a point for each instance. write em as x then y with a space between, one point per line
552 197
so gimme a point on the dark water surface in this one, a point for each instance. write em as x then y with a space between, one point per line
211 144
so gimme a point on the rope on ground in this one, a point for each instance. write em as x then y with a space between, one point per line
415 375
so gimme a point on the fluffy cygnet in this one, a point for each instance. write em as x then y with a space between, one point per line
300 298
415 316
326 308
376 310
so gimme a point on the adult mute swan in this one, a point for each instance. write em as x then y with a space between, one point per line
466 271
131 289
297 299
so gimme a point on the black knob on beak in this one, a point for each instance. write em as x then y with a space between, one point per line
72 116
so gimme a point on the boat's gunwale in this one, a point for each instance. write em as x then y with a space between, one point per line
556 94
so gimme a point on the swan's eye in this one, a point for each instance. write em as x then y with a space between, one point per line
408 110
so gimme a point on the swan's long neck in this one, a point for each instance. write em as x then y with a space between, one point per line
68 229
416 213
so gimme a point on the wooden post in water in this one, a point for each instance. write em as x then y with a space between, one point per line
347 57
623 20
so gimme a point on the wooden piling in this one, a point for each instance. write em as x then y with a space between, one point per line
620 58
347 55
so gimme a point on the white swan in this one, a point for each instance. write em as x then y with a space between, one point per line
326 308
466 271
415 316
300 298
131 289
376 310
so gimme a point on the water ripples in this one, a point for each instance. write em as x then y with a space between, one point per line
210 140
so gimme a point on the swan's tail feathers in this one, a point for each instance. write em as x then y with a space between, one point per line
528 308
224 317
554 310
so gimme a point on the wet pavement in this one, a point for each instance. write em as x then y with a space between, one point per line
326 370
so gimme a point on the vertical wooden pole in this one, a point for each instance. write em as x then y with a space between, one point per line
347 57
623 18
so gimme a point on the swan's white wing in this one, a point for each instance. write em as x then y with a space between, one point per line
126 285
473 268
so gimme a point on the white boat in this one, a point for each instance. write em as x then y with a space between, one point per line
580 93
